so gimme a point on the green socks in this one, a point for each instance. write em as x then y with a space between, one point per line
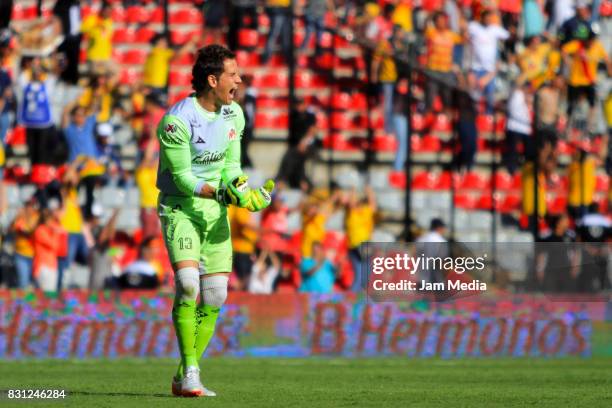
203 326
183 318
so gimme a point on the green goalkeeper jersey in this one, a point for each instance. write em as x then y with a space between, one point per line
197 147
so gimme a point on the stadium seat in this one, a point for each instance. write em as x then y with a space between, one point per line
271 121
337 142
503 181
341 121
271 80
134 57
418 122
397 179
465 201
248 38
473 181
359 101
247 59
606 8
178 96
144 35
123 36
442 124
384 143
558 205
42 174
185 60
341 100
601 182
129 76
180 78
511 202
272 103
119 15
444 181
424 180
16 137
179 37
484 123
186 16
24 13
430 143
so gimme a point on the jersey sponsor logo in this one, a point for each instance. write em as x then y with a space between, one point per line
228 113
170 128
200 140
208 157
232 134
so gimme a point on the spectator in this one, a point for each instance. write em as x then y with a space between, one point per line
483 37
6 103
274 226
555 266
145 177
109 155
35 112
265 271
539 62
98 96
302 136
578 26
244 236
98 28
145 272
432 244
441 42
48 243
549 104
527 190
214 19
465 118
384 71
314 218
581 176
23 227
314 14
69 14
519 126
157 65
359 226
279 13
533 19
402 15
318 273
239 10
583 56
72 222
101 263
562 11
78 128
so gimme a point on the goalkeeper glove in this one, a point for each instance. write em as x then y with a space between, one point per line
260 198
238 191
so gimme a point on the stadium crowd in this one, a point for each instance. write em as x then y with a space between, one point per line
535 62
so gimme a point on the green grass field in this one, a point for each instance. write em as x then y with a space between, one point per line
334 382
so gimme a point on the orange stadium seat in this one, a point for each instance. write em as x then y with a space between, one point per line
186 16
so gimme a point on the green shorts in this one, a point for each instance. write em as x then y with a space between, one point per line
196 229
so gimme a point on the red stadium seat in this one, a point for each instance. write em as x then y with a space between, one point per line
465 201
397 179
430 143
484 123
601 182
177 97
24 13
178 37
606 8
129 76
271 81
442 123
512 202
119 15
444 181
247 59
418 122
341 100
424 180
144 35
185 60
134 57
337 142
42 174
503 181
359 101
341 121
16 137
384 143
558 205
273 103
186 16
473 181
180 78
123 36
271 121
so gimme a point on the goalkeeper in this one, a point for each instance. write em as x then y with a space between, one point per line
199 175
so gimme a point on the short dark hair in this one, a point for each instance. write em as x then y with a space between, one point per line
209 61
